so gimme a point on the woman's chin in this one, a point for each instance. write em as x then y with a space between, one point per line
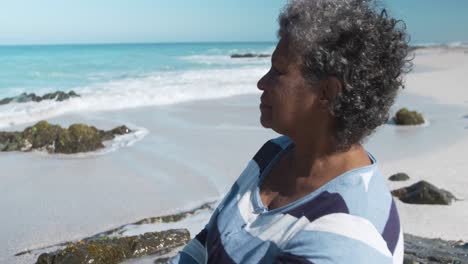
265 122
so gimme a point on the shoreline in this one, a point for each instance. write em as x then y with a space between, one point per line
417 248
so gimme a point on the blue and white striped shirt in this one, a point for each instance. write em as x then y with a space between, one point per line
352 219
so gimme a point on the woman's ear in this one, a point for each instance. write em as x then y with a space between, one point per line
330 88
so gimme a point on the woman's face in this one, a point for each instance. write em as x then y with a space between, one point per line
288 101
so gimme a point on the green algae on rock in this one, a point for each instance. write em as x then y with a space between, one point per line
407 117
78 138
41 135
114 250
55 139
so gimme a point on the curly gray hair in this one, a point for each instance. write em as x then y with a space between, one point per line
361 46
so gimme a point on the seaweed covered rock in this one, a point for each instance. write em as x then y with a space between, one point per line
55 139
78 138
115 250
423 192
13 141
41 135
407 117
420 250
32 97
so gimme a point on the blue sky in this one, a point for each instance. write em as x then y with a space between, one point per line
104 21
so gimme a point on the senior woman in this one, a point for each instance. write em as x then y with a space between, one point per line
315 195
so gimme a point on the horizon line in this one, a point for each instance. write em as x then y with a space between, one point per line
135 43
193 42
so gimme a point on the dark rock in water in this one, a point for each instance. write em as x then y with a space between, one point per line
399 177
54 139
249 55
32 97
406 117
424 193
108 135
115 250
432 251
59 96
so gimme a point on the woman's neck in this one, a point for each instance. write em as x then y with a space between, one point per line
315 165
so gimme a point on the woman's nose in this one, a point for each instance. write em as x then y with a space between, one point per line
262 82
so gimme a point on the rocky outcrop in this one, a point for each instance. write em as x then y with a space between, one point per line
111 247
114 250
424 193
55 139
419 250
399 177
249 55
407 117
32 97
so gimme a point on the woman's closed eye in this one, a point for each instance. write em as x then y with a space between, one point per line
277 71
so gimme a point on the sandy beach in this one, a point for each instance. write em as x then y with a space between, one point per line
186 154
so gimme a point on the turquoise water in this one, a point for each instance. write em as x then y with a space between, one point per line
63 67
119 76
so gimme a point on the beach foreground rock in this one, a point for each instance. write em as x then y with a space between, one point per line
55 139
32 97
418 250
432 251
112 245
423 192
407 117
114 250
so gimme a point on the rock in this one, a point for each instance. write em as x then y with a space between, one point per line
55 139
431 251
32 97
115 250
406 117
42 135
249 55
399 177
11 141
423 192
108 135
59 96
78 138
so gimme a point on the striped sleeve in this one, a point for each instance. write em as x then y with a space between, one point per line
196 251
337 238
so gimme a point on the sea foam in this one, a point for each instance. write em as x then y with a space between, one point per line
158 88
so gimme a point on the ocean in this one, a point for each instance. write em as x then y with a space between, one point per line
117 76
